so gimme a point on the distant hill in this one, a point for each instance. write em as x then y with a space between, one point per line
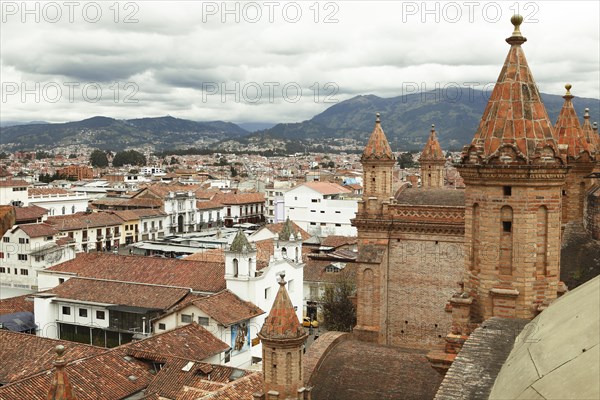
113 134
407 119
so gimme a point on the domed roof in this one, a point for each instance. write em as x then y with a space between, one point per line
556 356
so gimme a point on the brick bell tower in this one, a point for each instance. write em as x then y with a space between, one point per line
432 162
373 237
514 174
580 156
282 338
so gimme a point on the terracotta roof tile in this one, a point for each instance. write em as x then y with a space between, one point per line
38 230
13 183
191 342
377 147
119 293
338 241
240 389
226 308
569 130
276 228
201 381
84 220
210 255
282 322
47 191
590 136
239 198
515 127
16 304
110 375
23 354
432 150
133 202
208 205
29 213
199 276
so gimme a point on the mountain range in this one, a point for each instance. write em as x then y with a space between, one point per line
406 121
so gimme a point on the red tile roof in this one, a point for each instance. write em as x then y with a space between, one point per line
84 220
226 308
13 183
46 191
23 354
133 202
276 228
202 381
191 342
239 198
110 375
16 304
119 293
432 150
208 205
515 124
377 147
569 130
29 213
338 241
282 322
38 230
199 276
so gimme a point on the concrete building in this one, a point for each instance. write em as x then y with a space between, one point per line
322 208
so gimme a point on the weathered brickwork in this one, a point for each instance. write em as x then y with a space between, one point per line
592 219
512 240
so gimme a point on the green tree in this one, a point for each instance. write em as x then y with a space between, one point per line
98 159
72 155
129 157
339 313
173 161
3 156
233 171
406 160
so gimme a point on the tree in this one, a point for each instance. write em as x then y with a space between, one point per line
406 160
98 159
72 155
173 161
339 313
129 157
233 171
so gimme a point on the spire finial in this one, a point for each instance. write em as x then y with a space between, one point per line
60 350
595 126
516 38
568 95
281 278
432 127
377 119
586 113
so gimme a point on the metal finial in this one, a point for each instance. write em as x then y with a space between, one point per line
516 38
60 350
595 126
432 127
377 119
516 20
281 279
586 113
568 86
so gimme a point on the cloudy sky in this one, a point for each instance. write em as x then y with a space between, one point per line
271 61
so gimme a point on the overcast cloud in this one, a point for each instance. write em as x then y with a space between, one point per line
176 57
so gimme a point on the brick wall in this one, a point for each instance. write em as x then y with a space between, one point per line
592 214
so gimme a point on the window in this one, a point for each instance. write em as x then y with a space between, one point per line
23 240
100 314
203 321
186 318
22 257
2 270
227 356
313 223
39 258
291 286
1 254
267 293
66 310
314 200
83 312
6 239
338 224
61 280
322 212
162 326
507 226
323 224
313 210
507 190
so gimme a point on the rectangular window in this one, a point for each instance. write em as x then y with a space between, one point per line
203 321
100 314
313 223
2 270
23 240
266 293
314 200
186 318
83 312
162 326
338 224
6 239
507 226
1 254
227 356
338 212
22 257
61 280
66 310
507 190
313 210
323 224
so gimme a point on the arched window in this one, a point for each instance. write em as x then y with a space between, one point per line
283 252
235 267
72 209
506 241
64 210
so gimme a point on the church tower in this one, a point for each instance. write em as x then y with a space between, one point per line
514 174
573 144
282 338
378 167
240 264
432 162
